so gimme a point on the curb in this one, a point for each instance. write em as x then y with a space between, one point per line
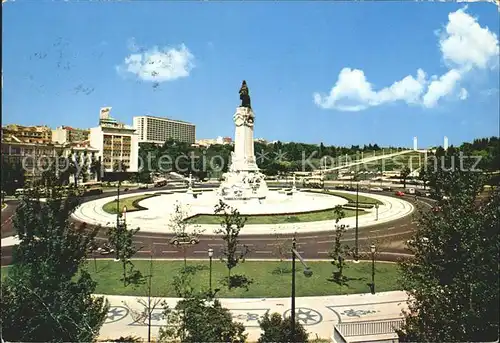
361 260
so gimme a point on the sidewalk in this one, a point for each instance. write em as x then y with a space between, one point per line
319 315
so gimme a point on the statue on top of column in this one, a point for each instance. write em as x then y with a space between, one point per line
244 95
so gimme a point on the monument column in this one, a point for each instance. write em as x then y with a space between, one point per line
243 180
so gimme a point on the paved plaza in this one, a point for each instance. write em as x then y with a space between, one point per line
156 218
319 315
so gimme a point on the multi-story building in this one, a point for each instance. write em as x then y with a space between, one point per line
67 134
212 141
32 156
29 134
157 130
115 142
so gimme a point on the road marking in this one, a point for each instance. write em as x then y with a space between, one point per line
323 252
160 243
145 251
215 245
391 228
402 225
375 230
169 251
200 252
263 252
319 242
137 242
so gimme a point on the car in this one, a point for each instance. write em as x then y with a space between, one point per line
106 249
376 189
437 209
387 189
184 239
423 240
399 193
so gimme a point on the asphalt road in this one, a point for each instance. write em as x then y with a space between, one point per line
389 237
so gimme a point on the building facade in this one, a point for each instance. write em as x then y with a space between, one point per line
28 134
158 130
212 141
115 143
67 134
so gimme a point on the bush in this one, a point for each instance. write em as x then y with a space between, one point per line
277 329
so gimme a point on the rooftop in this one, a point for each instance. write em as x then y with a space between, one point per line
164 118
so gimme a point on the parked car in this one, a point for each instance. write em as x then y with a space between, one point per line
376 189
387 189
184 239
437 209
399 193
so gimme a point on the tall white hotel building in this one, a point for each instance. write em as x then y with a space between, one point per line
157 130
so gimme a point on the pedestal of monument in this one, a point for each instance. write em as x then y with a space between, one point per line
243 181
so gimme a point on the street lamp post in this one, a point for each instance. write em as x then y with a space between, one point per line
307 272
376 208
210 255
356 233
372 249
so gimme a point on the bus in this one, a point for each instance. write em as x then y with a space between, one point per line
313 182
160 183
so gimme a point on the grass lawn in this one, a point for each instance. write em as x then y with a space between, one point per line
266 282
130 202
277 219
352 198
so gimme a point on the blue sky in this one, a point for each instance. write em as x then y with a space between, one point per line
337 73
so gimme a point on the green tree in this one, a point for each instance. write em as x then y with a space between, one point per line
282 248
149 304
194 319
422 175
95 168
339 251
231 224
453 277
47 295
121 239
183 229
275 328
12 174
403 174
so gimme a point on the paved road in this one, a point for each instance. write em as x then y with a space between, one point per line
390 238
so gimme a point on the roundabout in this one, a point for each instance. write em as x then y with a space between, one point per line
156 209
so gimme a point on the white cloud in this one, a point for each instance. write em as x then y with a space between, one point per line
353 92
465 46
464 43
159 65
441 87
464 94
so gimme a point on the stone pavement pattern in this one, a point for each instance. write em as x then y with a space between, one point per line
319 315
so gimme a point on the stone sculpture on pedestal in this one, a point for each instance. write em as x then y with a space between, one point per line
243 181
